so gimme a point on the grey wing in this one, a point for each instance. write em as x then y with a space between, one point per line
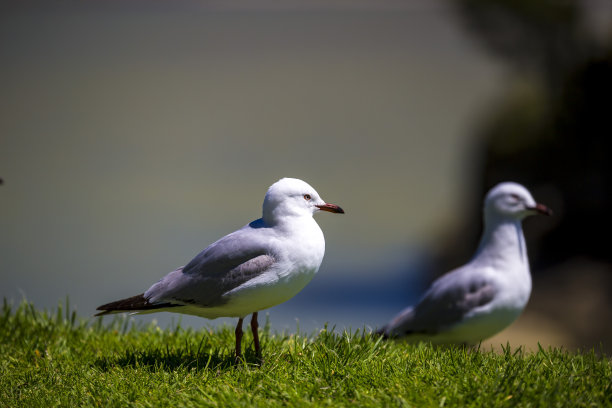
448 300
221 267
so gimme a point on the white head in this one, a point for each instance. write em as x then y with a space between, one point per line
511 201
293 197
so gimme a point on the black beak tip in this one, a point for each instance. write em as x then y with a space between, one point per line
332 208
542 209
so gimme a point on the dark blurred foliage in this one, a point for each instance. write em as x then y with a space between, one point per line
560 148
551 132
545 36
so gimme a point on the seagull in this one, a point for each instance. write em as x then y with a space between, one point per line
484 296
264 263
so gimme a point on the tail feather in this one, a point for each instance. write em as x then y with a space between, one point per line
383 332
132 304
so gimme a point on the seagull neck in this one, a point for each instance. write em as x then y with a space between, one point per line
502 242
287 221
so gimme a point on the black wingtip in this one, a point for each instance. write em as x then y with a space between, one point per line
383 333
132 304
105 312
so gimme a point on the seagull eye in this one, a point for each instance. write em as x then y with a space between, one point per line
307 197
516 197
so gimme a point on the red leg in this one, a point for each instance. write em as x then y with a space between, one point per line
238 339
254 327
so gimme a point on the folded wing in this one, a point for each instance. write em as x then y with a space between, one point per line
446 303
223 266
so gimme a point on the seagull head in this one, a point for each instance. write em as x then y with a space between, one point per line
512 200
290 197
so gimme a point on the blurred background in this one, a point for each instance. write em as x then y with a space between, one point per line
133 134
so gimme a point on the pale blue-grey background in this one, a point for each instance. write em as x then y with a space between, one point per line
134 134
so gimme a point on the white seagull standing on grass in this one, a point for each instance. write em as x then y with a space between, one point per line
266 262
484 296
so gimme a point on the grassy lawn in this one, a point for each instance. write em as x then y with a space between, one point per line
58 359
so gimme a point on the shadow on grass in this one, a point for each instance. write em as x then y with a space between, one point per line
166 353
172 359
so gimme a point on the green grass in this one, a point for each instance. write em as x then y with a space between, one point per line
57 359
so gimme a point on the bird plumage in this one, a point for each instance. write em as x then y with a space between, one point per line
482 297
262 264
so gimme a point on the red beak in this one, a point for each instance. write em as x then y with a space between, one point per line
332 208
541 209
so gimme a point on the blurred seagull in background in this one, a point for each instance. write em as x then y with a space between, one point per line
256 267
481 298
